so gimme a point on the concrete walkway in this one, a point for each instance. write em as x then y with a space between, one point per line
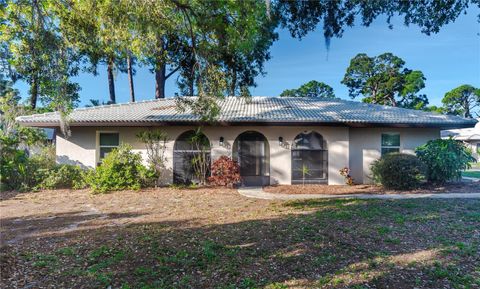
258 193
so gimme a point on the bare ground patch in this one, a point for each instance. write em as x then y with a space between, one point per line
214 238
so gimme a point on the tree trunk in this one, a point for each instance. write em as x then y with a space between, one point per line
34 92
160 80
191 87
130 77
191 79
160 69
111 83
35 65
466 108
393 101
233 85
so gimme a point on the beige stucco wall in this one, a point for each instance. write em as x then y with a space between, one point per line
356 148
365 146
81 147
472 144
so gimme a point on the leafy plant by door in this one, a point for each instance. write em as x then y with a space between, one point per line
225 172
305 172
155 142
201 157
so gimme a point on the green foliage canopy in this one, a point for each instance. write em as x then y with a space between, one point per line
312 88
302 17
44 41
463 100
384 80
37 53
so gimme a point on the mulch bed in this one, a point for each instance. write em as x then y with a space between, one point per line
463 187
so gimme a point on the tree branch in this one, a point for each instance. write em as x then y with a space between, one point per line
172 72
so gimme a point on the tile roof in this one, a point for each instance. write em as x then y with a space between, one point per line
268 110
465 134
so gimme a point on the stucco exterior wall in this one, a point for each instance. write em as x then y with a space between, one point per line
365 146
82 147
355 148
79 149
473 144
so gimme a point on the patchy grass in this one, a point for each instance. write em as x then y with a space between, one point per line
176 238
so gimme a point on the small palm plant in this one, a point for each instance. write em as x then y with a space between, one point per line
305 172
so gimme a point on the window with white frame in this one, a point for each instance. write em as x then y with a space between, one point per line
108 142
390 143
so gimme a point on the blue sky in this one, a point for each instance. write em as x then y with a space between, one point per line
447 59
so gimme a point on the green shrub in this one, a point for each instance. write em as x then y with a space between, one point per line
64 177
121 169
148 177
15 171
20 172
398 171
444 159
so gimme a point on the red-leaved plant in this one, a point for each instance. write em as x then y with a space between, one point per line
225 172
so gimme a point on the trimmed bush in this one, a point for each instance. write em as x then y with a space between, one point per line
64 177
444 159
225 172
121 169
398 171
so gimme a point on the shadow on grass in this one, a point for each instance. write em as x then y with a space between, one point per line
17 229
7 195
312 243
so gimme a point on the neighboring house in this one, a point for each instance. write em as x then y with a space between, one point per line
271 138
36 149
470 136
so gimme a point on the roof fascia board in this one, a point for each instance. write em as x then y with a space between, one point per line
249 123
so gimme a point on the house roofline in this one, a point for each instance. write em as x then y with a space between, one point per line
248 123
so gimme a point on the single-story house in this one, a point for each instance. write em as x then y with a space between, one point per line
470 136
272 138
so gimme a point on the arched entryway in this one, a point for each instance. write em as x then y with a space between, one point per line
191 149
252 152
309 159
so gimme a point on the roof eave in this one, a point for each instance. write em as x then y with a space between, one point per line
443 126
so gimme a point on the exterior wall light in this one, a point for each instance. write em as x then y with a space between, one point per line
222 141
280 141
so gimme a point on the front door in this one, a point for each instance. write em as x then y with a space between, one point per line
252 153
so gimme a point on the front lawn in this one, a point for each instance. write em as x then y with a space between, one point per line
471 174
213 238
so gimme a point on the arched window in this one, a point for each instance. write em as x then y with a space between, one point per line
191 158
309 159
252 152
